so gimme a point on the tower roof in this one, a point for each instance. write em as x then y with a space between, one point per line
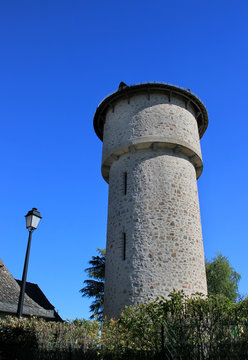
126 92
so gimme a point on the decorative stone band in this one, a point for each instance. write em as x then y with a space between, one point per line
170 91
174 147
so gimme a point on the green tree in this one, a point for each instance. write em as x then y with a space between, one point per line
95 286
222 278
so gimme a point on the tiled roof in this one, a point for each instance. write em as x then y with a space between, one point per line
37 295
9 295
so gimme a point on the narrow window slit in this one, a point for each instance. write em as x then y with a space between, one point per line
124 245
125 183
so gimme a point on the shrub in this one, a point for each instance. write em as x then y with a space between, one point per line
180 328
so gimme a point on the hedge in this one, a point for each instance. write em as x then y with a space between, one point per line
196 328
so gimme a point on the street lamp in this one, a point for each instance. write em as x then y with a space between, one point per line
32 221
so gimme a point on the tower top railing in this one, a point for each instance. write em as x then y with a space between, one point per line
126 92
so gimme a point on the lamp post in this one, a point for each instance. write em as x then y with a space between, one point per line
32 221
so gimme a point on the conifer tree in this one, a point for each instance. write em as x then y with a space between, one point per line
95 286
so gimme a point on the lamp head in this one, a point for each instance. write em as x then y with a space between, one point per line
32 219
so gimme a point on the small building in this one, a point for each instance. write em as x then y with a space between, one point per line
35 302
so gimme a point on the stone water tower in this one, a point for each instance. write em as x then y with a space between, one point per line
151 159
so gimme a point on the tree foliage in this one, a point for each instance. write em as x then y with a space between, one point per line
222 279
95 286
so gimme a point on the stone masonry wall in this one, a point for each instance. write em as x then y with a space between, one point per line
160 216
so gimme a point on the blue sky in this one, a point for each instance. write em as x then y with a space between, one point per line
58 60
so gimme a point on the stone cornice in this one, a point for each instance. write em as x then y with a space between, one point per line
155 143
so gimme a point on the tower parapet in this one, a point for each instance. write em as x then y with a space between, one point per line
151 159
